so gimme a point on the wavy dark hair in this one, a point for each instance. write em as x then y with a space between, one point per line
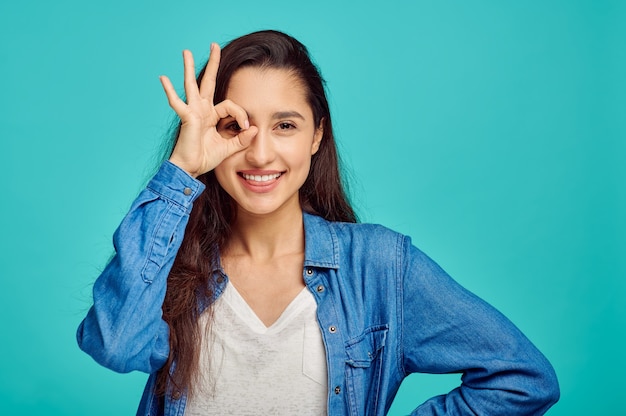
214 211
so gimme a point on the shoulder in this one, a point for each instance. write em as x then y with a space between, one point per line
371 242
375 234
316 224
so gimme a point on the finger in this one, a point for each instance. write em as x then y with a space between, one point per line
242 140
191 85
228 108
173 99
207 84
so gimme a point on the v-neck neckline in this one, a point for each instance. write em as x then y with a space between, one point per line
239 305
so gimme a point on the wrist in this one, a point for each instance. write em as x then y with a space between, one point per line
183 166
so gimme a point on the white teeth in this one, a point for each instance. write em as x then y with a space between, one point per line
261 178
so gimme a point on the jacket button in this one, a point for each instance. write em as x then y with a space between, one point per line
187 191
332 329
337 390
320 289
309 271
220 279
176 395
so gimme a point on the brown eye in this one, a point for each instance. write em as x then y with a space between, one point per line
234 127
286 126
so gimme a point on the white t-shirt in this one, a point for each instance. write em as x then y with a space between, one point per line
250 369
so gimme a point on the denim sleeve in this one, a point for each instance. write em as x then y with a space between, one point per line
447 329
124 329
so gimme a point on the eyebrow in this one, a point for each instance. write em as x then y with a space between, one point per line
287 114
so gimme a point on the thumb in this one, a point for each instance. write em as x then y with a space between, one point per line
244 138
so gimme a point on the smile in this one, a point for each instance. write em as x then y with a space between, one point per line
260 178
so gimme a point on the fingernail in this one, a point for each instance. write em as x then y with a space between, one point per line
246 124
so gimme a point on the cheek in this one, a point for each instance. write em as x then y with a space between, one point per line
303 151
301 158
220 173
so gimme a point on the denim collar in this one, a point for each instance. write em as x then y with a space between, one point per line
321 247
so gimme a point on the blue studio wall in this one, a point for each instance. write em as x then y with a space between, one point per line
492 132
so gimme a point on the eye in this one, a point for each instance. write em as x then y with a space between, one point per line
234 127
286 126
229 127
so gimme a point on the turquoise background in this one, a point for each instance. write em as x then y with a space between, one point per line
492 132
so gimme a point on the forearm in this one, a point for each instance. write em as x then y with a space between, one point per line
503 372
124 329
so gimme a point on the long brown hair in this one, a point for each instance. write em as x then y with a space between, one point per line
322 194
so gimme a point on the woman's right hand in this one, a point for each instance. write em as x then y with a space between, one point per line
200 148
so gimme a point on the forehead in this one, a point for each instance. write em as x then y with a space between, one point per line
267 90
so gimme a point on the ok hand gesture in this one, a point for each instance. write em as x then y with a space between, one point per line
200 148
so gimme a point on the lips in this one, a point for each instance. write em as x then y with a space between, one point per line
260 181
261 178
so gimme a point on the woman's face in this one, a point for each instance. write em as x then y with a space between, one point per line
265 177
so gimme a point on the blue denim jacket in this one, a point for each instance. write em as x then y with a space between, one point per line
384 308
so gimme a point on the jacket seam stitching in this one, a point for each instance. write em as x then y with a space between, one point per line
400 276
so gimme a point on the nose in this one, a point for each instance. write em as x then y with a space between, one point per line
261 150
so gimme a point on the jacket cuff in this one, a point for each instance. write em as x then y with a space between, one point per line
173 183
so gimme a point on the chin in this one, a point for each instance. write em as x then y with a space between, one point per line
268 208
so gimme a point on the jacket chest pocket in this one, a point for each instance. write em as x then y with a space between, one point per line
363 369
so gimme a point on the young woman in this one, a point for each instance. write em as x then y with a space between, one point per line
243 285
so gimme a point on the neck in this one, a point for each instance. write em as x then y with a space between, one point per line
266 237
